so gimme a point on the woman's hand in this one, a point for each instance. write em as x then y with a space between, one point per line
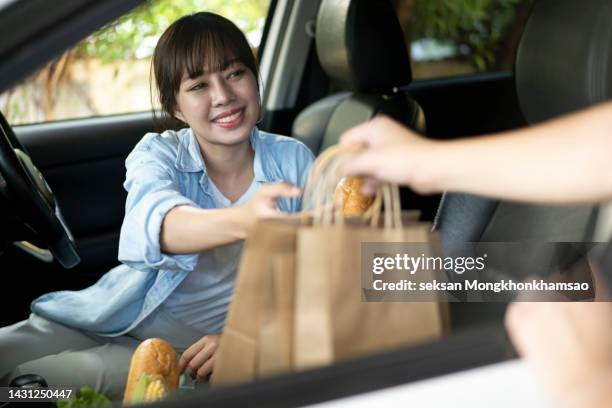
392 153
569 344
199 359
263 204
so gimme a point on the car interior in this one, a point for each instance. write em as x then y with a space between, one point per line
350 64
70 161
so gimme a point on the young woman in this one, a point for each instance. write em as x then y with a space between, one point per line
193 196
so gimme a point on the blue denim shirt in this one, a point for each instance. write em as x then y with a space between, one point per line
163 171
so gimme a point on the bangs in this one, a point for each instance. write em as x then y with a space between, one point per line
206 50
209 52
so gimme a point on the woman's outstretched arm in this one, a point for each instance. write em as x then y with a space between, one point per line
187 229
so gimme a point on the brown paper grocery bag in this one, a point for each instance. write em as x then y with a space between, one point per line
279 321
257 337
332 323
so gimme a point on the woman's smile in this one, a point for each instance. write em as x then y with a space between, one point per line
229 119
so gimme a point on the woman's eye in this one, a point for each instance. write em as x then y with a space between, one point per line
199 86
236 73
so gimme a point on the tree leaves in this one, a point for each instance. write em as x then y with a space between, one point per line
135 34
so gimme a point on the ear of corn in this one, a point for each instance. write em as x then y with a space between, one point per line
156 390
150 388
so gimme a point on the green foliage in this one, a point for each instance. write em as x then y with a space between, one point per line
477 27
134 35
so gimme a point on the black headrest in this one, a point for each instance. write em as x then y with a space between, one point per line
361 45
564 60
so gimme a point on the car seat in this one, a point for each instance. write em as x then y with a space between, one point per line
361 48
563 64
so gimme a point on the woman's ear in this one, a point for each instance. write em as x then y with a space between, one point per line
178 115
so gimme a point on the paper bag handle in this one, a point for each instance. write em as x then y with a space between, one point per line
322 181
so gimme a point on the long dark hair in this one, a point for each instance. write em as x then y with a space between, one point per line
196 43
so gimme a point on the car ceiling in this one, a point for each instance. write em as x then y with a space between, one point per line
35 31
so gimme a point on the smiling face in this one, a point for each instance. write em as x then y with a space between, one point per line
206 76
221 107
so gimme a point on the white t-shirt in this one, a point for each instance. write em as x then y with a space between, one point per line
201 301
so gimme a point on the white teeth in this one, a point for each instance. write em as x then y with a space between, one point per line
230 118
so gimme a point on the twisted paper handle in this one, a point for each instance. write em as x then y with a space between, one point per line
323 178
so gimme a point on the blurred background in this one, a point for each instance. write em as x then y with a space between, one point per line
109 72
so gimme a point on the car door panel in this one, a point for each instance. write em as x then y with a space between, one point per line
83 162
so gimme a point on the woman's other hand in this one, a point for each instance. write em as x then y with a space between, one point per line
199 358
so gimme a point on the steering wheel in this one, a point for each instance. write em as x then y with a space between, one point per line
29 199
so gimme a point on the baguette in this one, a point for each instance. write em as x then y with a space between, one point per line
153 372
348 191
